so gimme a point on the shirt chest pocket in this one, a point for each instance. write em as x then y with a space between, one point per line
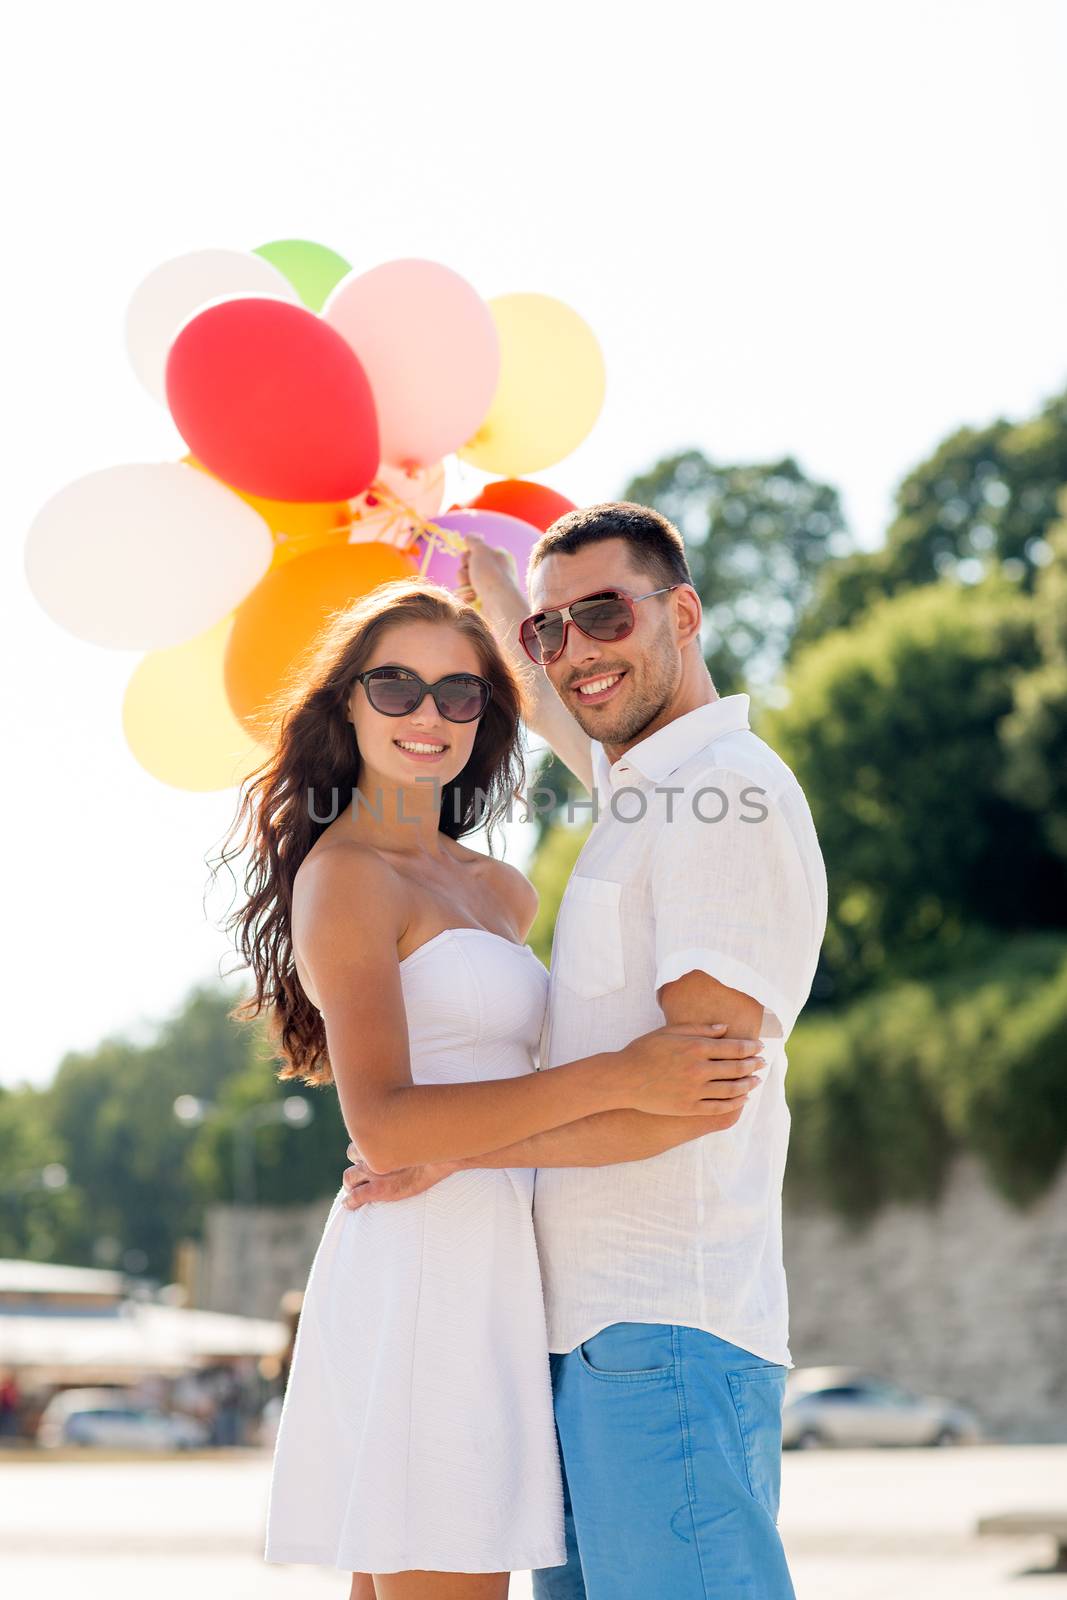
588 959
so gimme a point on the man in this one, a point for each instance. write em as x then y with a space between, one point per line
699 897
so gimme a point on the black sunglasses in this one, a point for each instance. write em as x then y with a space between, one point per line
397 692
607 615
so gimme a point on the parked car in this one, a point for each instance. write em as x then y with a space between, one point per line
110 1419
847 1406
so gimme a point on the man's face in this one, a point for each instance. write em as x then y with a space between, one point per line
642 670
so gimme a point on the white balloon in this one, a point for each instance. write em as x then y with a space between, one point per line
175 291
141 557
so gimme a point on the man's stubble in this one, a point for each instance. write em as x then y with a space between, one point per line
654 681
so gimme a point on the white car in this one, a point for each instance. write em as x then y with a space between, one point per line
111 1419
846 1406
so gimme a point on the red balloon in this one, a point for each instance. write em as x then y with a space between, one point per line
530 502
273 401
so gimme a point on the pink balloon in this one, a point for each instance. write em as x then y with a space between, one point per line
428 343
495 528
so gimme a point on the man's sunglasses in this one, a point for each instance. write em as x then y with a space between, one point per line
397 692
607 615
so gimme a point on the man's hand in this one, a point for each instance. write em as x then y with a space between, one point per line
364 1184
488 574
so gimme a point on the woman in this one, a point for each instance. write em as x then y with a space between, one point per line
416 1446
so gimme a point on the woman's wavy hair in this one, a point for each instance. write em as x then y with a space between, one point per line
315 759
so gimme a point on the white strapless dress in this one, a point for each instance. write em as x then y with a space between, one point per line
417 1429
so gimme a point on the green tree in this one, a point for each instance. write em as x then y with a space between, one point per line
552 867
292 1164
884 1091
110 1117
138 1175
1035 734
756 536
892 728
983 502
30 1214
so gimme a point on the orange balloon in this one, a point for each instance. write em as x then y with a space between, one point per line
279 619
298 526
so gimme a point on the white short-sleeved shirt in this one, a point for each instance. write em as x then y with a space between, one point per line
723 875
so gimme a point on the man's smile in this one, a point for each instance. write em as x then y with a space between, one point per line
592 691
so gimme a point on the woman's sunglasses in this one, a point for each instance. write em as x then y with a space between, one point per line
607 615
397 692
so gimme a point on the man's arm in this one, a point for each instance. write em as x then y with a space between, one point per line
485 574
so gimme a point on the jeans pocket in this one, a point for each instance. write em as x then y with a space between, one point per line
629 1352
758 1394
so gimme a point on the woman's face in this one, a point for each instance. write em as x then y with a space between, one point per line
433 650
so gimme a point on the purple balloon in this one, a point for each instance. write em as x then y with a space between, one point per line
507 533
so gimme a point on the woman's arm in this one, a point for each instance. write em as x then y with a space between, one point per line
612 1136
349 912
606 1138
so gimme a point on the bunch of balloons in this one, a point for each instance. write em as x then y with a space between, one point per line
317 405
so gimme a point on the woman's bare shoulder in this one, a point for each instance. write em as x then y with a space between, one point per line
515 890
335 869
350 906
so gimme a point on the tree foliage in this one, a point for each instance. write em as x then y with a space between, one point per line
886 1091
982 503
1035 734
756 535
552 867
892 728
137 1175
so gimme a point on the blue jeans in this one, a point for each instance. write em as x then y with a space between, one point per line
671 1444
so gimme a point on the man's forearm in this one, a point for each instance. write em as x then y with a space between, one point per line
547 715
602 1140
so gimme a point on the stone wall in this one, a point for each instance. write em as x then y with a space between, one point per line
252 1256
967 1299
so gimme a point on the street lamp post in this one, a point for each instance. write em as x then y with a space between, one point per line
53 1176
293 1110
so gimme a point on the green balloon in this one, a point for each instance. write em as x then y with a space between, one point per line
312 269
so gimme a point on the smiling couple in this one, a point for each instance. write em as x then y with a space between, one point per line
546 1324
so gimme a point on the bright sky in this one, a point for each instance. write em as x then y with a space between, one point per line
830 229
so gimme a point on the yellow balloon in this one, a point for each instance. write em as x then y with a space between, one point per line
550 390
177 719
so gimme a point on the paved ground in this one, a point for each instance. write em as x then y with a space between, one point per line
858 1525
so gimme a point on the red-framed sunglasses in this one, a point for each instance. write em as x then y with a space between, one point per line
606 616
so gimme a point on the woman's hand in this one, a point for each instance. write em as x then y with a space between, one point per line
685 1069
364 1184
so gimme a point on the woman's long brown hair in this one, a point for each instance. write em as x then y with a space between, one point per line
314 769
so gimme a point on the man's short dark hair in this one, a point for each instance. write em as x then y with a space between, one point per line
658 547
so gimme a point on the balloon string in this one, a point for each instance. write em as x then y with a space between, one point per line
424 528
